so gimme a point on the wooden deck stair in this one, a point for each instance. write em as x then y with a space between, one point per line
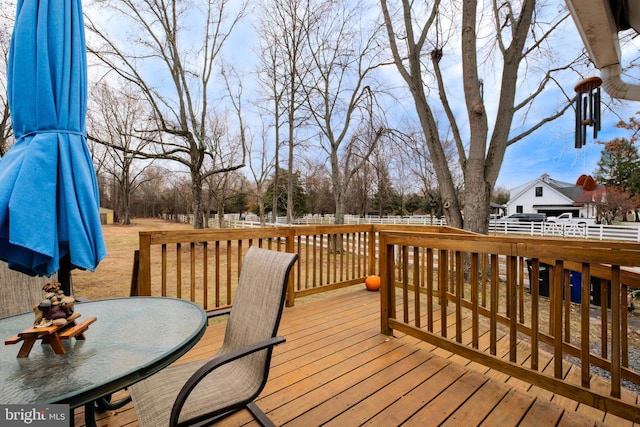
336 369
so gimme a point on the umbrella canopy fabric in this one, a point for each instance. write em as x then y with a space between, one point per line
49 201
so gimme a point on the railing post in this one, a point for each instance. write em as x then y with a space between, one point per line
387 288
372 251
291 248
144 275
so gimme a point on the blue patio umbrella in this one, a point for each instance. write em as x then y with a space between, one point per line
49 202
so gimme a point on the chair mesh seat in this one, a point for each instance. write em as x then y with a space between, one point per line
154 397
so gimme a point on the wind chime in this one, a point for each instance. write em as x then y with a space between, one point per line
587 114
587 109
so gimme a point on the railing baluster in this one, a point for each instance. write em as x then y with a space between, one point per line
483 276
430 272
615 330
192 271
556 292
178 270
475 332
416 285
459 293
567 305
164 270
217 278
404 277
493 305
604 303
512 303
521 289
443 274
534 287
205 275
585 324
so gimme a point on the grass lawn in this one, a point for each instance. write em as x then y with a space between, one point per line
112 278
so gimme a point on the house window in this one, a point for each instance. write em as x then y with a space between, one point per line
538 191
519 209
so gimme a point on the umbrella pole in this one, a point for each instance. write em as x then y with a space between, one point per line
64 275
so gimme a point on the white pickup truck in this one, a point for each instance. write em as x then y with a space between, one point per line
567 218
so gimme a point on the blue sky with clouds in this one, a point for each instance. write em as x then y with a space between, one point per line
548 150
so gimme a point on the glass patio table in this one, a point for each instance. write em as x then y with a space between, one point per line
131 339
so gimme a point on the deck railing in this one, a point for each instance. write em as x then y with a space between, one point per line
472 315
203 265
467 294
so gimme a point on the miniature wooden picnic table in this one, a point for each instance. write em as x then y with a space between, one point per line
52 335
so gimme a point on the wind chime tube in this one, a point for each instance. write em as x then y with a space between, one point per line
596 126
578 137
585 120
590 116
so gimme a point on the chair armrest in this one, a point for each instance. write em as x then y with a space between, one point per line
213 364
216 313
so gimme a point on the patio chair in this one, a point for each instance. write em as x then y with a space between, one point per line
200 393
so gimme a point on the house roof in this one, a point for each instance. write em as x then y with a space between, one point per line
572 192
544 179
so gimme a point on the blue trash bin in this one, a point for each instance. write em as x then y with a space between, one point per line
576 286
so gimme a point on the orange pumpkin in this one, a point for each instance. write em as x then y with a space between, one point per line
372 283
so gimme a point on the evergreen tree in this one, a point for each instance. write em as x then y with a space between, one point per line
619 166
299 194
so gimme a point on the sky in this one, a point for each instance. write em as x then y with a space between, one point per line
549 150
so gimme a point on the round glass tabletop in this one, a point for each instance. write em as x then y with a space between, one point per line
131 339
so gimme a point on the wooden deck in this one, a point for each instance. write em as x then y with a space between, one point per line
336 369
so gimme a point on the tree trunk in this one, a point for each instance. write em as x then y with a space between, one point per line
196 202
339 198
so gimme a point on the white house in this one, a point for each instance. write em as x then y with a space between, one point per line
551 197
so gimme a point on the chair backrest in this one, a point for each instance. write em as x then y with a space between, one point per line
19 292
259 300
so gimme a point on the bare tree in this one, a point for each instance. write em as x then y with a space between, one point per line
271 78
417 161
359 193
150 202
341 89
170 54
283 25
6 130
517 37
260 167
113 122
318 187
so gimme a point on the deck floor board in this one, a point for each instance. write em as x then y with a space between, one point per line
336 369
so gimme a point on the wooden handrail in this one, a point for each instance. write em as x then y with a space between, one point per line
510 315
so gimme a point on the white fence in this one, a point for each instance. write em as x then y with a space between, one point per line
630 233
